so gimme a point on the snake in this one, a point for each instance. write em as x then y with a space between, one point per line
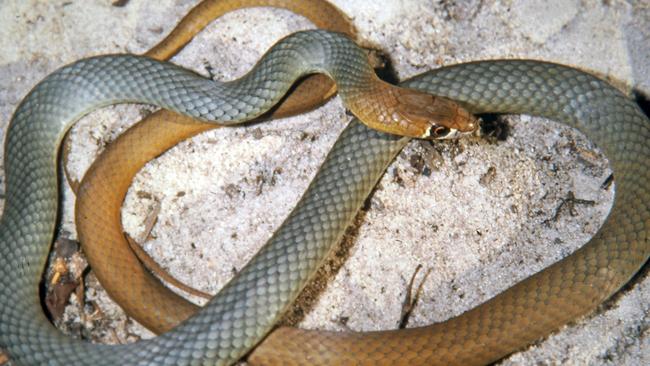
246 309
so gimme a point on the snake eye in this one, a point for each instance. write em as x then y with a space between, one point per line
437 132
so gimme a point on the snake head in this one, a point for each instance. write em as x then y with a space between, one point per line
433 117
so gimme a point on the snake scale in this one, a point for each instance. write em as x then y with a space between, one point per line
565 290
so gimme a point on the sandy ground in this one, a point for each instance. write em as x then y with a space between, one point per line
481 215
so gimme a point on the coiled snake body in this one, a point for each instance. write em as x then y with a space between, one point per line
247 308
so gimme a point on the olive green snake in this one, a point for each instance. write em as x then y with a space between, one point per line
247 308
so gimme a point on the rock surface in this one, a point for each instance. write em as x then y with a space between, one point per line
481 215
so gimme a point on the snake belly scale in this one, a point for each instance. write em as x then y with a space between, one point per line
558 294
